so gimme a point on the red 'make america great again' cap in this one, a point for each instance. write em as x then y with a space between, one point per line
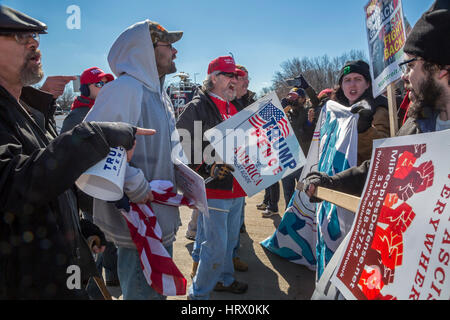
224 64
94 75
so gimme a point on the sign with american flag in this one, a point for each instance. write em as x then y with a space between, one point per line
259 143
268 114
399 245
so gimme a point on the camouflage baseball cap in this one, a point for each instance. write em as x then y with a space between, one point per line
159 33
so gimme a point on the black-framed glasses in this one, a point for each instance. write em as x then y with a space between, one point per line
99 84
405 67
164 45
228 74
22 37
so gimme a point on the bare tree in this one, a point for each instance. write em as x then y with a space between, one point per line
66 99
321 72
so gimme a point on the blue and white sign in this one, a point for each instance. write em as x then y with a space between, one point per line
259 143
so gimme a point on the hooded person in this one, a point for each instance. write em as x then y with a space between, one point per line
355 92
140 58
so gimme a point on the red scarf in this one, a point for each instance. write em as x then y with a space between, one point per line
406 103
82 101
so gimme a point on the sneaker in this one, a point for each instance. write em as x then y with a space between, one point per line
261 206
239 265
236 287
268 213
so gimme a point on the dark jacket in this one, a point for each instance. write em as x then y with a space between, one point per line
75 117
303 129
202 108
39 227
244 101
352 180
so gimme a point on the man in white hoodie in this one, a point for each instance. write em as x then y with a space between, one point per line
140 58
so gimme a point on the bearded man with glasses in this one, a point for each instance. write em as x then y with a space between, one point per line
141 58
41 235
426 70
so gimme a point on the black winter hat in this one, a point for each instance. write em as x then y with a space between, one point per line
429 39
14 21
357 66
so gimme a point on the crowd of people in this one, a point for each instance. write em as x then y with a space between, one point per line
47 223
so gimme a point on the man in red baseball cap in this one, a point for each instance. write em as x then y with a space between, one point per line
218 233
91 81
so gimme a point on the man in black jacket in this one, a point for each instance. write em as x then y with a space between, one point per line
427 68
217 234
43 254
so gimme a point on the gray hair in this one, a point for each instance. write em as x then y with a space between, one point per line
207 83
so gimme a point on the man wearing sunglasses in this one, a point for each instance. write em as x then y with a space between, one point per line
217 234
41 236
91 81
141 57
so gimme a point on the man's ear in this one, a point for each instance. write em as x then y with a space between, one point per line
444 72
214 79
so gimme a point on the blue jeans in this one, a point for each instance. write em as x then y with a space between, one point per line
217 236
133 284
241 224
289 184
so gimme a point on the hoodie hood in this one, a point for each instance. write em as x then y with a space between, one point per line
133 54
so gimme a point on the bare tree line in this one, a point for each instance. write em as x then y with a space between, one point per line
321 72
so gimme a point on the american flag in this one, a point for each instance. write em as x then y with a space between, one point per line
158 267
266 115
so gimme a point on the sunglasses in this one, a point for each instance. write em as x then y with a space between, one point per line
405 67
164 45
22 37
99 84
228 74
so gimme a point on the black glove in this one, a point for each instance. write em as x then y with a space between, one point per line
365 118
319 179
220 171
117 134
123 203
299 82
89 229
